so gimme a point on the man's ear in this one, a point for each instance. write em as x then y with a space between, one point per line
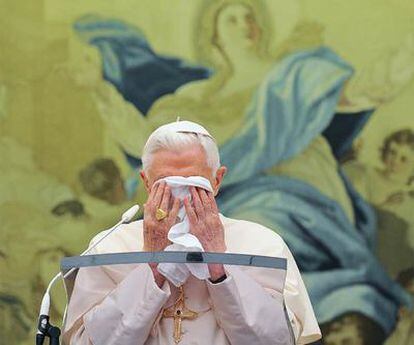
144 179
219 179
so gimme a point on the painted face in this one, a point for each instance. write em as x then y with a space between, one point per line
191 161
237 27
344 334
399 159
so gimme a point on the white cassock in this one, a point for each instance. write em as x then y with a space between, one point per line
122 304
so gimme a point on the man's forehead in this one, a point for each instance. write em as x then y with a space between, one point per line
185 155
191 161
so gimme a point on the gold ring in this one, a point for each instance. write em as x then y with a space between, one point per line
160 214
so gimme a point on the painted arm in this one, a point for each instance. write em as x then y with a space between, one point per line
126 124
381 81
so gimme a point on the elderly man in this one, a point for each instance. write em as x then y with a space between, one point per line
170 303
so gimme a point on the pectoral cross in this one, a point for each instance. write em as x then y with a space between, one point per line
179 312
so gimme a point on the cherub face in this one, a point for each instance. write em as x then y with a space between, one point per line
399 159
344 333
237 27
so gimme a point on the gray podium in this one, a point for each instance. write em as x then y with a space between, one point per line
70 265
75 262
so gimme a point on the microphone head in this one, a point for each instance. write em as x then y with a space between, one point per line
129 214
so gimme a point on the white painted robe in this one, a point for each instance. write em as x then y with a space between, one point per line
122 304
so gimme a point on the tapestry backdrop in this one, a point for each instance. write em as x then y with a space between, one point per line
312 106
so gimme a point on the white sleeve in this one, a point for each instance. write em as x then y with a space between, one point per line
299 307
248 313
126 315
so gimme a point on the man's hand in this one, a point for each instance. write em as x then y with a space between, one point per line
206 225
156 231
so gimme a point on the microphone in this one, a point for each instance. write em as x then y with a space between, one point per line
129 214
44 328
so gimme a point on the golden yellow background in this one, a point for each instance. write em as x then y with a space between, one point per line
49 126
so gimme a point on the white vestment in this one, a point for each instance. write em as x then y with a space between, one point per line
122 304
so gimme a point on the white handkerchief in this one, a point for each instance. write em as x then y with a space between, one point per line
179 233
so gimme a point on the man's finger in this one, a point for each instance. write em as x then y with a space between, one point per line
158 195
198 206
213 202
165 201
152 193
192 217
174 210
205 199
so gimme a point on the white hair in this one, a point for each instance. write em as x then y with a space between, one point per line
162 139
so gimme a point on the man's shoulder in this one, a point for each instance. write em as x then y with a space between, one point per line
128 237
248 237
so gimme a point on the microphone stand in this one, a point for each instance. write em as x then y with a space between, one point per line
44 328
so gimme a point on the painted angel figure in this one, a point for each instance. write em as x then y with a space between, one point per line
276 118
